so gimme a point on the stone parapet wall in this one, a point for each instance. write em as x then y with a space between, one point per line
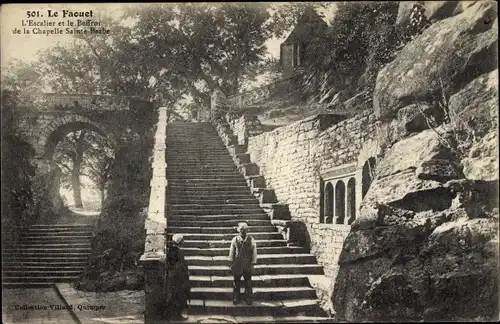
156 224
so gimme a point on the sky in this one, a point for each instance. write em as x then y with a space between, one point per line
25 47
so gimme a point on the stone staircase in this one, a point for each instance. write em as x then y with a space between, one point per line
206 198
46 254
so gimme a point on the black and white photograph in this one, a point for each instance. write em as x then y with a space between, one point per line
249 162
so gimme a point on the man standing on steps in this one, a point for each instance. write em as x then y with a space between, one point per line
242 255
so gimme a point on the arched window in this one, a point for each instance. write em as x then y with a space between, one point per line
351 201
367 175
340 202
329 203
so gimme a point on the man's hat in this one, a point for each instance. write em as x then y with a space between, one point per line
242 225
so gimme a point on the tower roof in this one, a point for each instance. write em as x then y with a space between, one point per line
308 25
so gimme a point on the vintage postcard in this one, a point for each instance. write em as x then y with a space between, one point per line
249 162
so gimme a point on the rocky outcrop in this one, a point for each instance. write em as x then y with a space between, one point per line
475 107
407 263
482 161
448 55
425 244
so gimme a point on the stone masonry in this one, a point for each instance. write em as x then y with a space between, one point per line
294 158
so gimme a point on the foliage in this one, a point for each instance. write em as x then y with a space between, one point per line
120 237
418 23
21 76
83 153
284 16
360 34
17 170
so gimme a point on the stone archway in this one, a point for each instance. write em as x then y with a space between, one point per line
79 192
62 126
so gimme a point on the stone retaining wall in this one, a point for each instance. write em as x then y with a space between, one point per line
294 158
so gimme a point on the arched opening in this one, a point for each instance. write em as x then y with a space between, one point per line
329 203
340 202
84 155
351 200
367 176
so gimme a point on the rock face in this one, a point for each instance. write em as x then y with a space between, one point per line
474 113
425 261
448 55
476 105
425 244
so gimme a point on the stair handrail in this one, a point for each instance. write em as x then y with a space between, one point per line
155 247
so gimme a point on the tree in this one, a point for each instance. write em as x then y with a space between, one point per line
284 16
84 153
201 47
98 160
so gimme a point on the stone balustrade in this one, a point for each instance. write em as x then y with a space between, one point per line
156 226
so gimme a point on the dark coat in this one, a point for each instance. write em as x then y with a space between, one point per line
178 284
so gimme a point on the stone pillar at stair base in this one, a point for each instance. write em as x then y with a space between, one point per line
154 285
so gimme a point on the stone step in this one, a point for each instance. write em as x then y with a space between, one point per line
184 172
56 238
222 223
289 280
40 254
188 163
37 273
226 211
224 251
31 280
78 257
188 184
228 236
56 226
207 200
215 190
29 263
277 307
210 187
303 258
226 244
259 269
236 181
183 179
216 149
61 233
41 268
175 216
253 206
207 196
219 230
259 293
27 284
48 246
214 153
45 251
